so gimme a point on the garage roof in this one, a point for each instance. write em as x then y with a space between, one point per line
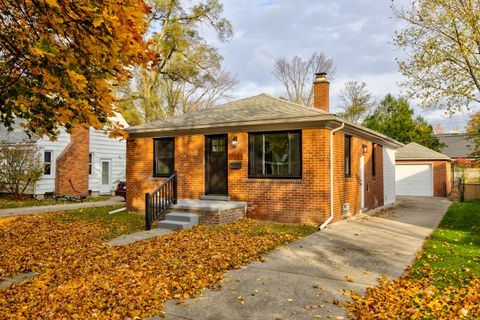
414 151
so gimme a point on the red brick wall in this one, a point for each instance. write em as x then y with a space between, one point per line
347 189
321 95
285 200
72 164
303 200
442 184
189 162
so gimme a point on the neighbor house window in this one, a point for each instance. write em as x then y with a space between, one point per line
163 154
90 163
348 156
47 162
275 155
374 148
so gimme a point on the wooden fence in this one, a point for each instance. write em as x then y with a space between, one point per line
472 191
470 175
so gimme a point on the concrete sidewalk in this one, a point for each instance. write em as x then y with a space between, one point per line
114 201
306 279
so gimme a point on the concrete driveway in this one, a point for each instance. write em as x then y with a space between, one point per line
306 278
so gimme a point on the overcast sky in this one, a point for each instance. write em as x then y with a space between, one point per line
357 34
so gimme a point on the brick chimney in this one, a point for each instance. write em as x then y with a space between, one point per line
72 164
321 92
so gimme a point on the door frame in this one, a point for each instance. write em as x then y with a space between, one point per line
362 182
109 176
206 163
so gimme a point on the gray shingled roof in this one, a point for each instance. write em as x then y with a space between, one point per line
258 111
457 145
17 136
414 151
262 107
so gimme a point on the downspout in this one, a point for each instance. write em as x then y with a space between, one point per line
330 218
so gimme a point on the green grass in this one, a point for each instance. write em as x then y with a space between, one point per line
7 202
453 250
116 224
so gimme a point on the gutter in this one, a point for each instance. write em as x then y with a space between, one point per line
330 218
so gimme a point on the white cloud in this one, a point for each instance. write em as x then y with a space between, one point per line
356 33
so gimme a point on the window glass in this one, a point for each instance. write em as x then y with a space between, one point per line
105 172
163 156
348 142
374 147
47 162
90 161
275 154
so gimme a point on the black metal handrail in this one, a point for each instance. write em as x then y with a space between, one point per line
158 202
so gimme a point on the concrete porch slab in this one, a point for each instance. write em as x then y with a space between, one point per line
207 205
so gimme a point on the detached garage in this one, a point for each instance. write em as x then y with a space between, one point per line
420 171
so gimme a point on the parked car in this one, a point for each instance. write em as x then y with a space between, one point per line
121 190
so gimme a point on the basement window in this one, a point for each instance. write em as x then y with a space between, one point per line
275 154
163 157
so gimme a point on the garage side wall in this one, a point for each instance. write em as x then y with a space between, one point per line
389 175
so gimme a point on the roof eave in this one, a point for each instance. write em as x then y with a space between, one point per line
423 159
320 121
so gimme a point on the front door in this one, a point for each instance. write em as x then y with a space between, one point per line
216 163
105 179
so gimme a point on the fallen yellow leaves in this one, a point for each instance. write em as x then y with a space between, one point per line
80 277
408 298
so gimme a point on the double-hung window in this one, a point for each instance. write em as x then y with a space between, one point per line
275 154
163 157
47 162
90 163
348 156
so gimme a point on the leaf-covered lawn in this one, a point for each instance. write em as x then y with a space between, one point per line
443 283
7 202
81 277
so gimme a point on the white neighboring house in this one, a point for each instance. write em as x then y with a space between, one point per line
107 158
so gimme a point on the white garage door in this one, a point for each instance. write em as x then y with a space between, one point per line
414 179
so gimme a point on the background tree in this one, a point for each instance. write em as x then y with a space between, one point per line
59 59
394 118
21 168
356 101
473 130
441 39
190 75
297 75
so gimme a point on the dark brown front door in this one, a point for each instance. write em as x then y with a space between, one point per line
216 165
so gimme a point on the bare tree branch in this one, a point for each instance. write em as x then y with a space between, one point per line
297 75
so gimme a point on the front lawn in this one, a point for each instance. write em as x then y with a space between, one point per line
443 283
7 202
81 277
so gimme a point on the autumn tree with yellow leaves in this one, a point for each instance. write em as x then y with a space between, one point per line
441 42
59 60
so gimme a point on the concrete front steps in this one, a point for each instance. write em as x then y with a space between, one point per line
178 220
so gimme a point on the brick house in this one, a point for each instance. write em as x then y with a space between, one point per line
420 171
278 157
